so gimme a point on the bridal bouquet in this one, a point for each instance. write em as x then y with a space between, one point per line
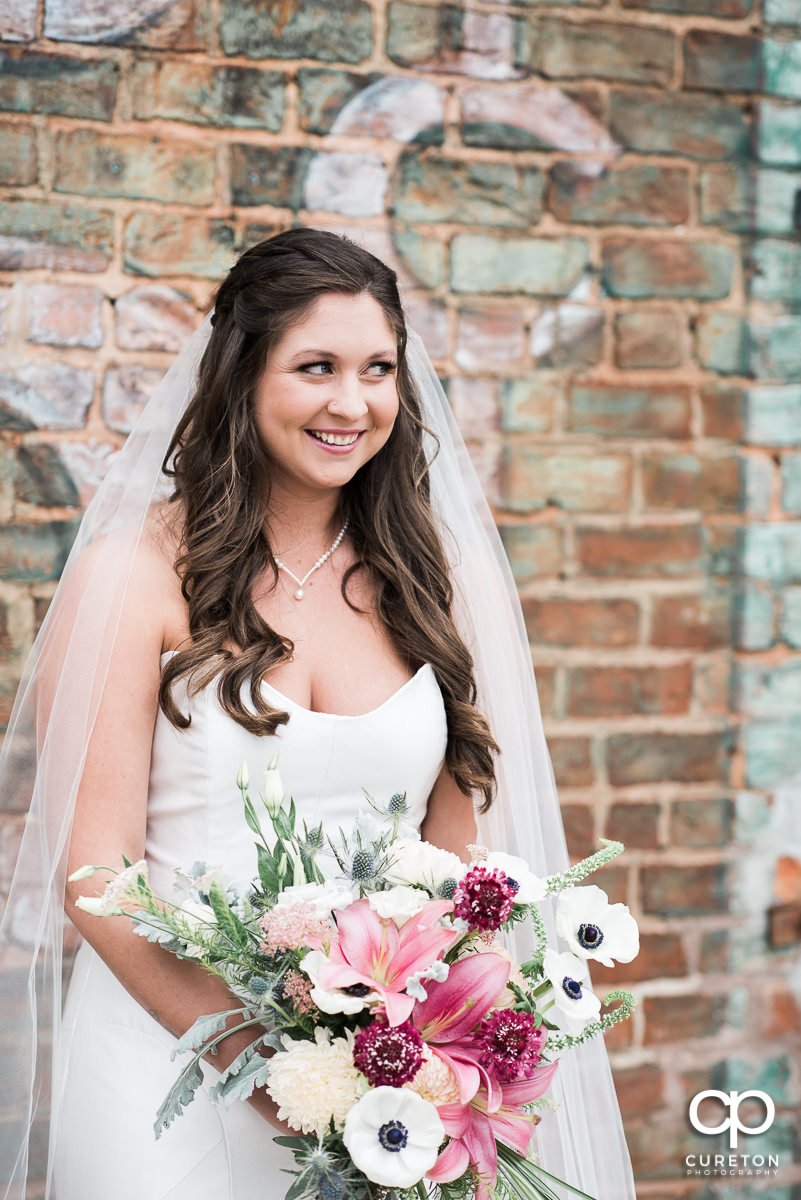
391 1027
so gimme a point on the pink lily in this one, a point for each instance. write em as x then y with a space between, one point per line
453 1009
375 952
474 1130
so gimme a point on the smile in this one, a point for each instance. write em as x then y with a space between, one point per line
335 439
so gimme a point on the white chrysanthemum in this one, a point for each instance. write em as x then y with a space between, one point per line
311 1082
435 1081
393 1136
594 928
398 903
420 864
574 1001
530 888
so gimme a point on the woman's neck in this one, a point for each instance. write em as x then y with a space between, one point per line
302 529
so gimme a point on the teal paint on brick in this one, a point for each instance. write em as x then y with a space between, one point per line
772 415
164 244
35 553
322 95
528 405
778 129
641 194
443 37
710 8
757 475
753 616
534 551
783 12
790 622
772 751
722 62
618 411
433 188
722 343
532 266
752 813
791 483
748 199
660 267
18 162
269 174
776 348
42 478
533 479
604 50
698 126
55 83
423 256
240 97
782 67
57 236
771 691
137 168
329 33
777 270
772 552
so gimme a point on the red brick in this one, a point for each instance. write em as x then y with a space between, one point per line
607 691
640 1089
723 411
686 481
565 621
700 822
675 891
640 553
571 760
579 823
656 410
656 757
778 1011
640 194
534 478
693 622
682 1018
489 336
662 956
653 337
606 50
722 62
635 268
546 679
635 825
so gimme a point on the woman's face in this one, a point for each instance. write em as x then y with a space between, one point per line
327 400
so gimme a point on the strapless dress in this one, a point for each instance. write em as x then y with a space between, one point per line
114 1066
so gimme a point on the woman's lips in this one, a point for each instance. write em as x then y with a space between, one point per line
331 448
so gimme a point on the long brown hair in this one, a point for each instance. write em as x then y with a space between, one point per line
222 485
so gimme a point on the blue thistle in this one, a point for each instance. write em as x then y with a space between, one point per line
446 890
362 866
397 804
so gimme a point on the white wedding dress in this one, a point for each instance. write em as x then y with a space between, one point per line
115 1068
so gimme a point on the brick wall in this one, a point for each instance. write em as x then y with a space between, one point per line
594 208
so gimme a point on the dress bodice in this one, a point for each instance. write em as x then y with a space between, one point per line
195 809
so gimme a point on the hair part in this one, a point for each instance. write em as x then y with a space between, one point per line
222 481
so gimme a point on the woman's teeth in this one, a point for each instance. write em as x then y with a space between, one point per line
335 439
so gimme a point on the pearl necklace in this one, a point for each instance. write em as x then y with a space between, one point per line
323 558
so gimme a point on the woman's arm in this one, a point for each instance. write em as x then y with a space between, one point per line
449 822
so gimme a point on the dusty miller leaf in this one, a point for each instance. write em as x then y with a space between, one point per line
180 1094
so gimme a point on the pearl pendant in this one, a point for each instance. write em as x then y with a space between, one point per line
299 594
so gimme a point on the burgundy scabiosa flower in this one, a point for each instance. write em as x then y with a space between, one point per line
511 1044
484 899
389 1055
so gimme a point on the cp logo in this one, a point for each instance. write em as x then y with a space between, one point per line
732 1101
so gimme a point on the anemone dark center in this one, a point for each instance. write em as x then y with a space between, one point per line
571 988
393 1136
590 936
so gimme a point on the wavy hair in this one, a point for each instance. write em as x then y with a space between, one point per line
221 477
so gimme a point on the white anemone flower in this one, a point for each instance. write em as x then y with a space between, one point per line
419 864
574 999
398 903
530 888
325 897
393 1135
596 929
332 1000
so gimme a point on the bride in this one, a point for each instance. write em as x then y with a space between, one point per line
311 568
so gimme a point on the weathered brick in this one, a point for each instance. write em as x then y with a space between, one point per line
709 8
572 762
567 335
178 26
614 691
662 956
533 550
772 415
750 199
773 552
58 84
791 617
636 825
578 822
138 168
754 616
687 481
657 410
545 679
533 478
776 348
313 29
700 823
651 337
567 621
723 409
783 12
642 194
34 553
18 20
323 94
777 142
154 317
693 622
18 164
433 188
474 403
443 37
528 116
722 62
685 124
241 97
640 1089
39 233
781 67
769 691
528 405
791 483
655 757
489 336
45 395
269 174
682 1018
533 266
126 390
5 300
42 479
61 314
676 891
601 49
678 269
722 343
164 244
422 257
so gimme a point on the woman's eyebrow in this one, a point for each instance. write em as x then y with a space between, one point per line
315 352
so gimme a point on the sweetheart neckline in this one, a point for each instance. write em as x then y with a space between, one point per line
312 712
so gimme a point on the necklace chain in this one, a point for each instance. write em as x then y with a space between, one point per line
299 593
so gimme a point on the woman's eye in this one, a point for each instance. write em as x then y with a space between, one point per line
381 369
316 368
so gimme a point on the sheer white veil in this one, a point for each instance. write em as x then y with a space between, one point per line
583 1140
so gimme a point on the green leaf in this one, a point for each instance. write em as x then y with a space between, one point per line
179 1096
203 1028
267 871
240 1086
251 818
227 920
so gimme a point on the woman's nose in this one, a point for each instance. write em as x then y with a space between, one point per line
347 398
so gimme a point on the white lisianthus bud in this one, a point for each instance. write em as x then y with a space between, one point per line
81 873
243 777
273 788
96 906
